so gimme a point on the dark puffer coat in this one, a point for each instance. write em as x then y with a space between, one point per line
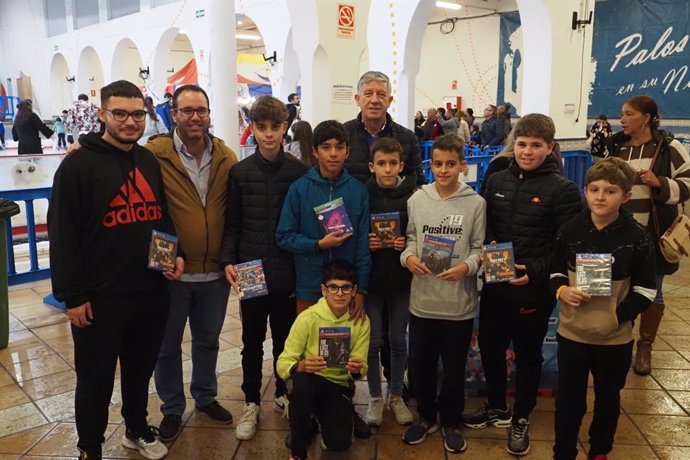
527 208
256 192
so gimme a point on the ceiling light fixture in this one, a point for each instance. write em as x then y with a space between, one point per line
239 22
248 37
448 5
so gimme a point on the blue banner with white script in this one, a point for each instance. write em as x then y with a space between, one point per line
641 46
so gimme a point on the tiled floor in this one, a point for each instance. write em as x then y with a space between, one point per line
37 390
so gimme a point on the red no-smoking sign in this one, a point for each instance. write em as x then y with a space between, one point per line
346 21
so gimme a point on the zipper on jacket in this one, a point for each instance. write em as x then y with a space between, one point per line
512 205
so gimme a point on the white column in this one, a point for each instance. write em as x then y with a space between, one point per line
223 71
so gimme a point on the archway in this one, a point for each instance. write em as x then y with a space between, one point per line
90 75
174 63
60 84
253 70
127 62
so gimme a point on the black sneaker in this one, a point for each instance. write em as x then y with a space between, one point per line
518 439
216 412
453 440
360 428
416 434
170 427
485 416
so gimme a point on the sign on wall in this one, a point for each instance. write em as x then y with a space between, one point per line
641 46
346 21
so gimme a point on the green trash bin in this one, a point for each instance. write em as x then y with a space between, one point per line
7 210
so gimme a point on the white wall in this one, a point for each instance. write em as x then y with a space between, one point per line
468 55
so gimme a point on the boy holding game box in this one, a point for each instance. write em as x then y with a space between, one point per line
595 332
443 306
389 284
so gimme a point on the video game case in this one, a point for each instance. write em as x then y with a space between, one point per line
386 226
437 252
334 345
498 263
251 280
593 273
333 216
162 251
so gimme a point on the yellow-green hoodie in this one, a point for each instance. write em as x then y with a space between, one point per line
303 341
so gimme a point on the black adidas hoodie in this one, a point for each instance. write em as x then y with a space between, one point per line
105 203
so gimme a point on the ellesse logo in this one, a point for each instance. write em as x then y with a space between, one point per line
135 202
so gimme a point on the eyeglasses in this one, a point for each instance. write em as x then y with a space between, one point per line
123 115
333 289
189 112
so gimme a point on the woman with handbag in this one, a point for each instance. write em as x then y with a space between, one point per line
663 182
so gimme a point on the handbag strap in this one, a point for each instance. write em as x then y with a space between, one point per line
655 217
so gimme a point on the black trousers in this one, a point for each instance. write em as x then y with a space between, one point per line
129 328
609 366
279 311
502 320
331 403
450 340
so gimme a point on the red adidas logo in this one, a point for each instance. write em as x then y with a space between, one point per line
135 202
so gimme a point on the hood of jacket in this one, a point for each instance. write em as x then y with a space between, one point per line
404 188
464 190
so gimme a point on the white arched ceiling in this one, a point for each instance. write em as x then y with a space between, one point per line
90 75
60 88
126 62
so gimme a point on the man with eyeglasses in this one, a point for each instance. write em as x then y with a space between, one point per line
107 199
195 167
325 353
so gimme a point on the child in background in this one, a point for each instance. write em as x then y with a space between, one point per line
318 389
595 332
526 205
443 306
59 126
389 284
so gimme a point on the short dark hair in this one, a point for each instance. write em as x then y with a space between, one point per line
535 125
167 94
329 129
83 97
120 88
470 111
449 142
268 108
64 111
614 170
339 269
602 117
193 88
386 145
291 97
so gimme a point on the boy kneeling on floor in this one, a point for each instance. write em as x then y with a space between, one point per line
324 353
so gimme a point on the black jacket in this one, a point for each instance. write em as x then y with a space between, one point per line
527 208
105 203
386 272
357 163
256 192
27 135
633 258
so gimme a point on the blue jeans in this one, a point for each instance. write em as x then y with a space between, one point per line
205 304
398 304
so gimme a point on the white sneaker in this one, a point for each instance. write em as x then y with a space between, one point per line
246 428
146 443
374 416
281 403
400 411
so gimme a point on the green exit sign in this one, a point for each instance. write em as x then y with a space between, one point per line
200 13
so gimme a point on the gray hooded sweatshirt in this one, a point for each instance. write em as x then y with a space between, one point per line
462 217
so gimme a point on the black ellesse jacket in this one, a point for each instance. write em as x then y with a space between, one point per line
527 208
